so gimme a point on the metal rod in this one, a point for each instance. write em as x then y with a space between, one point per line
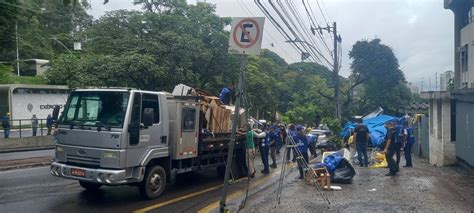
230 154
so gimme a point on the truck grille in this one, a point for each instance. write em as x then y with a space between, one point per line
81 160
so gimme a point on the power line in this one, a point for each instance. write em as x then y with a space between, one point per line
248 11
303 25
276 24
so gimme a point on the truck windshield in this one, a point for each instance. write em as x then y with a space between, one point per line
90 108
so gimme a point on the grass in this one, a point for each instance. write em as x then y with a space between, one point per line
25 80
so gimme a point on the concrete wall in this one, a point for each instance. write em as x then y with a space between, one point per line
39 142
465 127
442 150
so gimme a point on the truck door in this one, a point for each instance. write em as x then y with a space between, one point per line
187 146
146 138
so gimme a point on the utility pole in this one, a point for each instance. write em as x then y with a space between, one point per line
336 39
17 52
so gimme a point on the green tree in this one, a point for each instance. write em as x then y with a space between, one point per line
376 68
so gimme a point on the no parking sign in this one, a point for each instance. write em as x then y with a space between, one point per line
246 35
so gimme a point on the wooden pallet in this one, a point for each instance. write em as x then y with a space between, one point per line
323 178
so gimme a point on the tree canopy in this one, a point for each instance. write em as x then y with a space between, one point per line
375 68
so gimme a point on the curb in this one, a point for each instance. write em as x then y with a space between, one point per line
26 149
24 166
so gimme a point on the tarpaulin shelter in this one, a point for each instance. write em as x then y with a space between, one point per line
375 125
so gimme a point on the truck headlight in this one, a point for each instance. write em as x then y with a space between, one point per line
108 154
59 149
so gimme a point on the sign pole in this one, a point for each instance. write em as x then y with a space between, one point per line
235 123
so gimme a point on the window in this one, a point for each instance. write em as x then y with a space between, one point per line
137 100
92 108
151 101
188 119
464 57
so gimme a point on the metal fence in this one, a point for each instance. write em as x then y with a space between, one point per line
22 128
421 130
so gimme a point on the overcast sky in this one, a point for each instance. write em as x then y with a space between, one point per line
419 31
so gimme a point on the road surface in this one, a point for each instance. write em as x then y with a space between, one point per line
36 190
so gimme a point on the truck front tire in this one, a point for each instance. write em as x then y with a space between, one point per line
154 182
90 186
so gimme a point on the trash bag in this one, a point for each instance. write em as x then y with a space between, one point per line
331 162
343 173
379 160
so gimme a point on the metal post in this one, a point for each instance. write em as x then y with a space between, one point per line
336 72
20 128
41 126
17 52
235 119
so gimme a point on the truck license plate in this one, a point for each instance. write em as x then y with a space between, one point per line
78 172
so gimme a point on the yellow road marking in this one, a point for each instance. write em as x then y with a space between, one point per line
176 200
209 207
237 194
181 198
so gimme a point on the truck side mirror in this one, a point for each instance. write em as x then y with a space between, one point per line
56 112
148 116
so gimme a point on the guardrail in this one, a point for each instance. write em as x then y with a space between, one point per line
22 128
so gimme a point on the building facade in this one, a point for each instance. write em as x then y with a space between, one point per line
463 93
445 79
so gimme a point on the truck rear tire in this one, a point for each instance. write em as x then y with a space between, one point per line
154 182
90 186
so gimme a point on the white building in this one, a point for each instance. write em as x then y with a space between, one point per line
444 79
22 101
466 52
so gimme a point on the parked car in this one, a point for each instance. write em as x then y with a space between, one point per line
323 137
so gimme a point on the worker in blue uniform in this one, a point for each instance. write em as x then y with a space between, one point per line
265 144
226 94
292 133
302 143
390 149
399 140
410 140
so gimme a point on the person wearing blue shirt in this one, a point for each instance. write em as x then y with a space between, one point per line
399 140
265 146
410 140
225 94
292 132
302 143
274 141
390 149
312 143
6 125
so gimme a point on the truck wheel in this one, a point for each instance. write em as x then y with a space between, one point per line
90 186
154 182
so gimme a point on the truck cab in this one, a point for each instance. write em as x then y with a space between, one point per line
135 137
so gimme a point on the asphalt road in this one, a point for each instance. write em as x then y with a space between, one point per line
26 154
36 190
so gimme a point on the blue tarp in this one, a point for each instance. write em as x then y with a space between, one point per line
376 128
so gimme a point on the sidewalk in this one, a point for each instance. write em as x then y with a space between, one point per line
423 188
28 159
